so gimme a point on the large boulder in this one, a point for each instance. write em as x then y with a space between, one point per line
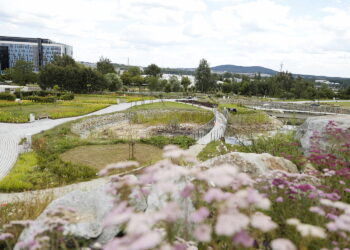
253 164
318 124
90 208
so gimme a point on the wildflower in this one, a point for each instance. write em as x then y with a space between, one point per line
307 230
293 222
120 214
186 192
262 222
203 233
119 165
222 176
200 215
317 210
215 194
5 236
279 199
229 224
282 244
244 239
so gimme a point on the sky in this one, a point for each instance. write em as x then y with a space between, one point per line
306 36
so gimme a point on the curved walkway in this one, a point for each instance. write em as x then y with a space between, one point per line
12 133
9 143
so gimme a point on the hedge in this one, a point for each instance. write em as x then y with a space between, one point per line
7 96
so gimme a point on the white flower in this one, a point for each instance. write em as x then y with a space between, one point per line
282 244
229 224
313 231
262 222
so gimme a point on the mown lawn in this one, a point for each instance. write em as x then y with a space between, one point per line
164 105
98 156
81 105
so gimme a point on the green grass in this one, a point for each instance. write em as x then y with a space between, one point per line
81 105
17 179
341 104
98 156
164 105
281 144
213 149
198 117
240 109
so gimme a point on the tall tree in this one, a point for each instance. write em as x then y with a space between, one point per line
105 66
204 80
134 71
185 82
22 72
153 70
113 81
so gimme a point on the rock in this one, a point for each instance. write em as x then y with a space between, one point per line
318 124
253 164
91 208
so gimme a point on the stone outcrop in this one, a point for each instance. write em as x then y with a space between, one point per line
90 209
318 124
253 164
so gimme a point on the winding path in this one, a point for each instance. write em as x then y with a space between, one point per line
11 134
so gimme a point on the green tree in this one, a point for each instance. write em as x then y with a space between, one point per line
203 76
105 66
153 70
22 72
113 81
70 76
134 71
185 82
153 83
126 78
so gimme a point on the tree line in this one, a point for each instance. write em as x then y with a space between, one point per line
68 75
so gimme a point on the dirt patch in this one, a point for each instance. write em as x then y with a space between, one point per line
127 130
98 156
271 124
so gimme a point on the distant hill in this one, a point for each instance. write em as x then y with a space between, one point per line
243 69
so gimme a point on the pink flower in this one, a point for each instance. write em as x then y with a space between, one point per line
244 239
279 199
120 214
282 244
203 233
186 192
215 194
262 222
200 215
229 224
317 210
5 236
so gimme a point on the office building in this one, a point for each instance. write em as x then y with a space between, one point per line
36 50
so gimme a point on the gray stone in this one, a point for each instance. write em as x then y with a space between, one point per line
318 124
253 164
91 208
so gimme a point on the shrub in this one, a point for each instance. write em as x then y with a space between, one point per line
67 97
7 96
41 99
161 141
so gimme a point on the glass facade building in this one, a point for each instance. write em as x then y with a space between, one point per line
36 50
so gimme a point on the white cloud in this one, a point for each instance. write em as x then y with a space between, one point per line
180 32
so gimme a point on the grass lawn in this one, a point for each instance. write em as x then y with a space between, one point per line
213 149
81 105
165 105
17 179
98 156
240 109
341 104
20 113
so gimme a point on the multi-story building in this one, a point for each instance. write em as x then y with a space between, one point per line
36 50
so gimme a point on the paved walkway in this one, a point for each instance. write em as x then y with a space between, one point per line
12 133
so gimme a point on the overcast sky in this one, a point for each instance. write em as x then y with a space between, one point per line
307 36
